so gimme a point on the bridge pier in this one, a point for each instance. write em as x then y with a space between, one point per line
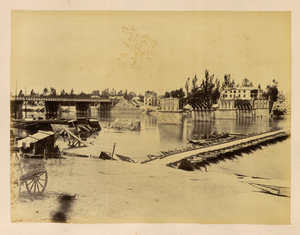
245 113
170 117
203 115
53 109
104 107
16 109
83 109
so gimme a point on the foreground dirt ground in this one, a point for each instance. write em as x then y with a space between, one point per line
89 190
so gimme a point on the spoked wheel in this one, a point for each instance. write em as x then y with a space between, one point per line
15 186
38 184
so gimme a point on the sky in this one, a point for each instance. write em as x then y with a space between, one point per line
140 51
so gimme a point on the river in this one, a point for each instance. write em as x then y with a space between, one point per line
271 161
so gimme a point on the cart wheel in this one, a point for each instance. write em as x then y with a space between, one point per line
38 184
15 186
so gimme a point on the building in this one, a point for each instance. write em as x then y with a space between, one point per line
242 102
242 93
150 98
159 98
170 111
170 104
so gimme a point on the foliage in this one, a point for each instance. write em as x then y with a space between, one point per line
228 83
177 93
208 90
167 95
247 83
45 91
187 85
53 91
141 97
272 91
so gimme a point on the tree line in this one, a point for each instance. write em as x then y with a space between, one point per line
106 93
210 88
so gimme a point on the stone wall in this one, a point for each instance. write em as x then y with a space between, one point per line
226 114
170 117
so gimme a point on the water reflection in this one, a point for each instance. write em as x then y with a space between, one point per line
154 137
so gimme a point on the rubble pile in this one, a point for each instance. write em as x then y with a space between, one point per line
125 124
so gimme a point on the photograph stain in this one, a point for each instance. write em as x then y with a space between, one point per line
66 202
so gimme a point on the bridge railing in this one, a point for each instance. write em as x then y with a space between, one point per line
57 99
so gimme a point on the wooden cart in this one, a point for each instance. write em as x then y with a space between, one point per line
28 172
27 163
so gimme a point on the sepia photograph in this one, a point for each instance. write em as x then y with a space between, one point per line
150 117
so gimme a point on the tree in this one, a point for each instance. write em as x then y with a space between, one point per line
187 85
227 82
53 91
96 93
281 96
45 91
141 97
120 92
105 93
216 91
83 95
208 90
167 95
246 83
131 95
194 81
125 95
177 93
32 93
113 92
272 91
21 93
63 93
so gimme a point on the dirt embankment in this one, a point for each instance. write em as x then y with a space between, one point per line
88 190
124 105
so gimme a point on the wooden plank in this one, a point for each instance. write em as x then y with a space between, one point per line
71 135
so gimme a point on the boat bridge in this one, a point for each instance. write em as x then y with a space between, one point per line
198 155
53 104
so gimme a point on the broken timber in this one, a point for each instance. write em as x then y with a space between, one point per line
73 139
202 157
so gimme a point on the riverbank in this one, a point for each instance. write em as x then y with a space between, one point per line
122 192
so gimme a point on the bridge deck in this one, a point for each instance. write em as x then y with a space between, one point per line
58 99
178 156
